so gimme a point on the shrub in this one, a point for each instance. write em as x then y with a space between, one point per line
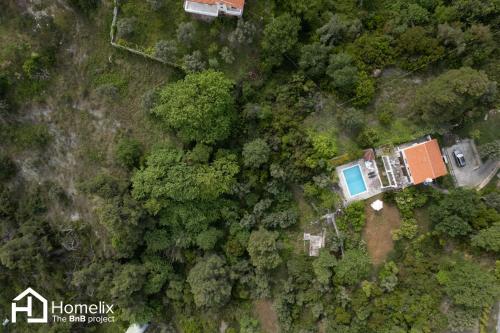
343 73
207 239
490 150
7 168
243 34
283 219
128 152
352 119
166 50
185 33
156 4
227 55
149 100
354 267
85 6
31 136
280 36
125 27
365 89
407 230
256 153
103 185
368 137
193 62
314 59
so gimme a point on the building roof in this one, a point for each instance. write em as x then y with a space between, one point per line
369 155
233 3
424 161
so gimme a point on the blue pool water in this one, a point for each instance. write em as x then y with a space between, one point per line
354 180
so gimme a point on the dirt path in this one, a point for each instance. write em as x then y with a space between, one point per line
377 232
267 316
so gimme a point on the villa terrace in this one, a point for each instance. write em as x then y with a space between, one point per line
389 168
369 175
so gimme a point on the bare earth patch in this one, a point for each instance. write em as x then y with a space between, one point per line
377 232
267 316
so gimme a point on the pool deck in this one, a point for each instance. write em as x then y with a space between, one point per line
373 185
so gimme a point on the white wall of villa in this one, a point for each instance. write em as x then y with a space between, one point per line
211 10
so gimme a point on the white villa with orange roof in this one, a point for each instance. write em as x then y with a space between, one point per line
212 8
413 163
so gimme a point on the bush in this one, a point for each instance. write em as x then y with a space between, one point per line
86 6
314 59
166 50
343 73
282 219
103 185
149 100
128 152
280 36
193 62
462 319
365 89
407 230
243 34
352 120
256 153
490 150
354 267
30 136
227 55
125 27
156 4
185 33
368 138
7 168
206 240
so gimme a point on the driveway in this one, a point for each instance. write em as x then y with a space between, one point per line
474 173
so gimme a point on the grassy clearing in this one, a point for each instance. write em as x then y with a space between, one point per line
378 228
267 316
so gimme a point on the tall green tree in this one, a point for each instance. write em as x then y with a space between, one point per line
469 285
448 98
209 281
168 177
280 36
488 239
323 267
354 266
256 153
263 249
199 108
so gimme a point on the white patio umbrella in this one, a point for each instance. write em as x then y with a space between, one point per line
377 205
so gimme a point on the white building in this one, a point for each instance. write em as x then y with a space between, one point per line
212 8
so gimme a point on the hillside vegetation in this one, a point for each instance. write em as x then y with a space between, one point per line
181 194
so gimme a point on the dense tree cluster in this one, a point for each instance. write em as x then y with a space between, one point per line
194 211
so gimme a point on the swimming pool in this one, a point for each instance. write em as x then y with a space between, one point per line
354 179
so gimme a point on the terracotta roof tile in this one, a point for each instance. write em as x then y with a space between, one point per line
233 3
424 161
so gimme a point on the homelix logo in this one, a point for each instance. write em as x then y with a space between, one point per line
101 312
82 313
